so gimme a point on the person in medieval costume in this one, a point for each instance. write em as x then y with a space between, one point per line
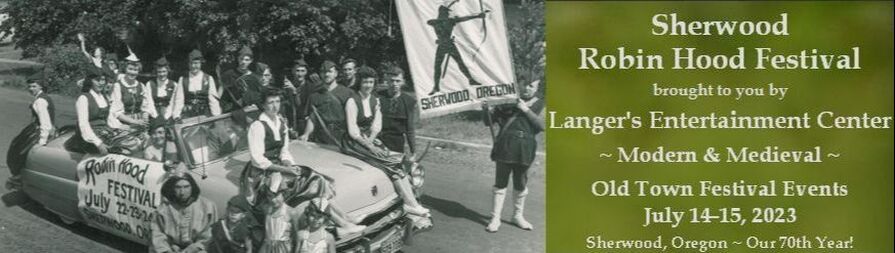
363 119
400 114
297 88
200 93
237 82
164 91
131 106
271 166
36 133
326 108
94 119
182 222
514 150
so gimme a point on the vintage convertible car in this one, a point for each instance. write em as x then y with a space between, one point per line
214 150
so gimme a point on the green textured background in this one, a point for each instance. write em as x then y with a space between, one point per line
866 162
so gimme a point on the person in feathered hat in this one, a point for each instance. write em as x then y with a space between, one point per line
131 100
130 103
199 91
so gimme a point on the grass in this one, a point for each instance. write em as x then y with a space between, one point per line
464 126
13 74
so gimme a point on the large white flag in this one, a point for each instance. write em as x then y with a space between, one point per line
458 53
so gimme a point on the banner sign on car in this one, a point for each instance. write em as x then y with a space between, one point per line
120 193
458 54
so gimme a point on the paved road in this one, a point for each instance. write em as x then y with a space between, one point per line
458 186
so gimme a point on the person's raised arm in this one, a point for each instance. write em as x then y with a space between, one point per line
84 50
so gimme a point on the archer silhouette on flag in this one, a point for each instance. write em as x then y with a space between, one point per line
444 27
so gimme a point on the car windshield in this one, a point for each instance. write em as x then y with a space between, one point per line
214 139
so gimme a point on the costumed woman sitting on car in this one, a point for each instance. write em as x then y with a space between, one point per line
95 135
364 121
271 166
131 103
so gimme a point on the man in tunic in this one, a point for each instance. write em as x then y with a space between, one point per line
182 221
327 109
514 150
238 81
297 88
400 114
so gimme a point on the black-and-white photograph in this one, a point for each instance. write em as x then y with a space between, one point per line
272 126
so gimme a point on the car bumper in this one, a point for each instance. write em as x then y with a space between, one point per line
388 240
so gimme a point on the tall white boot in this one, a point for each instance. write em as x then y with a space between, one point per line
497 208
519 205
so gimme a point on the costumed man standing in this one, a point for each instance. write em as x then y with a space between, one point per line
41 128
298 89
164 92
182 223
237 82
199 92
514 150
399 114
327 108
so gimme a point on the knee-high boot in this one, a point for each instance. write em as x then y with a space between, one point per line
497 208
519 205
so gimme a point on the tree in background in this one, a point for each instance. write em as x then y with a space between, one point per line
526 37
278 30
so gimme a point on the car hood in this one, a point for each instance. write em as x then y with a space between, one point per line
360 187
